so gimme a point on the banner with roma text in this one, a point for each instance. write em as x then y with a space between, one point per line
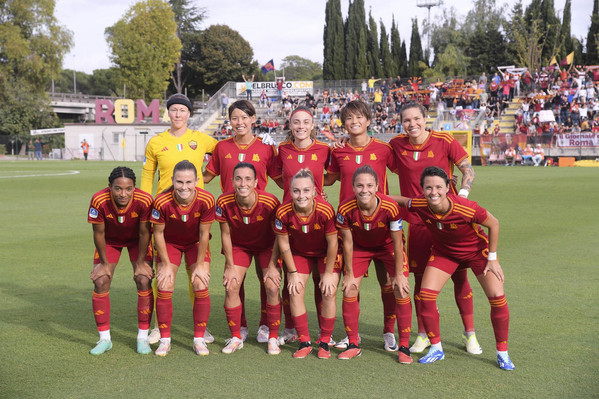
578 140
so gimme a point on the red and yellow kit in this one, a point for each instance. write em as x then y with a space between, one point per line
182 223
291 159
251 229
229 153
344 161
307 235
121 225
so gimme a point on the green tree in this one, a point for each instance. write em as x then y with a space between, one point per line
32 47
386 60
334 42
552 28
351 38
145 47
188 19
567 45
396 60
298 68
106 82
484 40
221 54
452 62
374 59
403 68
524 33
361 49
592 54
414 68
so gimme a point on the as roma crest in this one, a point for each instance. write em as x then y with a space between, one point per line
193 145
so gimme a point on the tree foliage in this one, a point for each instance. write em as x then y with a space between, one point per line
397 61
145 47
299 68
374 59
592 53
32 47
220 54
386 60
334 42
416 56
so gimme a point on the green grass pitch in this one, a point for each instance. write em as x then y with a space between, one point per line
548 249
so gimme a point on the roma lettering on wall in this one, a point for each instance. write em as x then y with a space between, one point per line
124 111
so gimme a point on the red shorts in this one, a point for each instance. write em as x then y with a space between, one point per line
420 242
175 253
363 257
113 254
307 264
243 257
449 265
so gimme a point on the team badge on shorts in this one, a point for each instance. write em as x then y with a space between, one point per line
193 145
155 214
93 213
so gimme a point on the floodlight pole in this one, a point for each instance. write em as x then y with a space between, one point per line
428 4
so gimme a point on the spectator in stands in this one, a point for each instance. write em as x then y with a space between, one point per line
326 113
224 104
371 83
483 79
263 98
510 156
280 83
248 87
527 155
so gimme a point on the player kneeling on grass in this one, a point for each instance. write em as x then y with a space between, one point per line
458 241
120 216
246 216
307 239
182 217
371 229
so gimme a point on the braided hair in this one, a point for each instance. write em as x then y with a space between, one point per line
121 171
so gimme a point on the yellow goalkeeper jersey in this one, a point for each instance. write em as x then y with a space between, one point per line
164 151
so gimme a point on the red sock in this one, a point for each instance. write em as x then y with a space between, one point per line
430 314
301 327
263 311
327 325
145 307
164 312
286 306
351 316
244 322
101 308
500 318
201 312
463 298
388 298
418 302
403 308
317 296
234 320
273 317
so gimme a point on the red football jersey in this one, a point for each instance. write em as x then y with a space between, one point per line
250 229
370 231
457 233
345 161
121 225
228 153
307 234
182 223
291 159
440 149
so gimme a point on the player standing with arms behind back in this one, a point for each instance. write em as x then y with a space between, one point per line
415 150
120 216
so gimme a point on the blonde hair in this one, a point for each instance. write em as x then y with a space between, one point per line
303 174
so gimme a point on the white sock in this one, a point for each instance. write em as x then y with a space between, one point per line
468 334
197 339
502 353
142 334
104 335
165 340
437 346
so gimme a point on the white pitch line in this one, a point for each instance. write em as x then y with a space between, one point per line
70 172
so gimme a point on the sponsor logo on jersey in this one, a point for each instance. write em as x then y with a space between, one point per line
301 158
416 155
241 157
346 158
314 157
431 154
358 159
317 226
305 229
164 149
93 213
121 219
155 214
196 214
134 214
356 224
184 218
110 216
380 224
193 145
278 224
404 152
289 156
228 156
246 220
428 221
255 158
235 217
259 218
372 157
340 218
453 226
219 211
